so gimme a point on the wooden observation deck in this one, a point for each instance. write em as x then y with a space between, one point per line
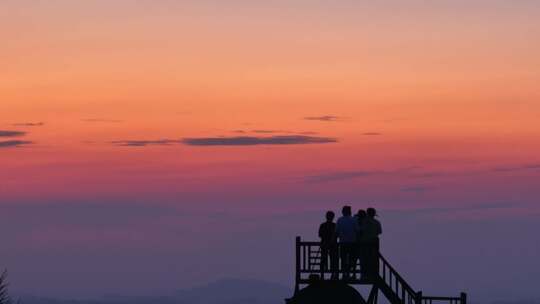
388 281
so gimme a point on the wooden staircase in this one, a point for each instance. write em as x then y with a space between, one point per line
388 281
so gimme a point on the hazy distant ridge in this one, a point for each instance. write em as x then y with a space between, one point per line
228 291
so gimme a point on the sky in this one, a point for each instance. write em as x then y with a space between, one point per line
148 146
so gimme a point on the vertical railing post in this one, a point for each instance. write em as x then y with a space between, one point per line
297 275
321 263
419 297
463 298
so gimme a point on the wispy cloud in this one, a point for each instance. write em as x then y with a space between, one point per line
260 131
10 133
268 131
144 143
518 168
29 124
471 207
253 140
433 174
229 141
323 118
340 176
14 143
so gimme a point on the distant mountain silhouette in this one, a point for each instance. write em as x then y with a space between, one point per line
226 291
236 291
523 301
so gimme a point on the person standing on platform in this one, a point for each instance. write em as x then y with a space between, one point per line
372 229
347 230
329 246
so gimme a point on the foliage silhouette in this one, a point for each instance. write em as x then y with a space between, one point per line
4 295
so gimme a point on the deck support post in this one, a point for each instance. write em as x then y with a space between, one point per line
373 295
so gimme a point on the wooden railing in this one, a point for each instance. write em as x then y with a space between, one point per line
462 299
308 262
388 280
393 280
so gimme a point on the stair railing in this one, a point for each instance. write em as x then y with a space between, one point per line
462 299
392 279
405 293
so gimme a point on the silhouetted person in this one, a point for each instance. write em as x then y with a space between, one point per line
329 246
370 239
346 229
360 250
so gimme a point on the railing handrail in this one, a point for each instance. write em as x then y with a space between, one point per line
398 276
387 264
440 298
310 243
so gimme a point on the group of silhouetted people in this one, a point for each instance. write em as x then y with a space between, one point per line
351 239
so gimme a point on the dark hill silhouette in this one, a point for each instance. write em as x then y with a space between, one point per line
327 292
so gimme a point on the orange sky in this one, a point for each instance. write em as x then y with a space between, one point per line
426 77
431 104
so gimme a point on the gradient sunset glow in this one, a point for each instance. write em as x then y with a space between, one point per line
139 138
